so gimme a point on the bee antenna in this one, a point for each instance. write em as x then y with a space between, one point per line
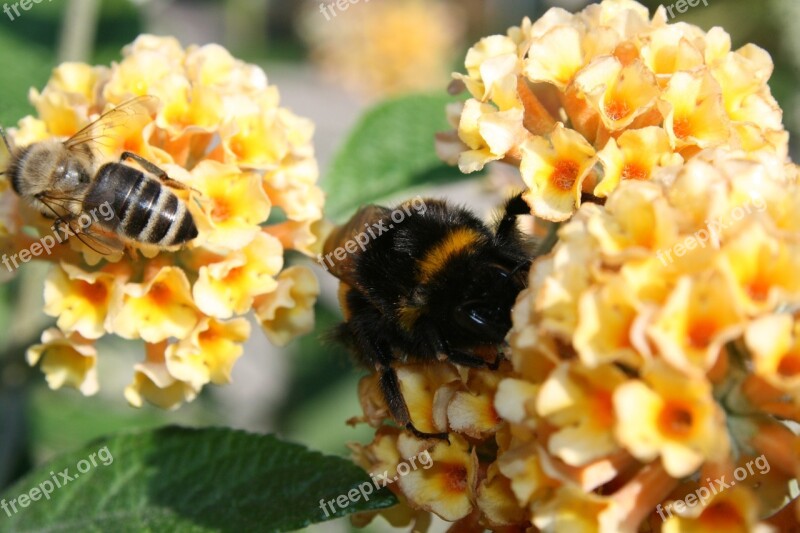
5 139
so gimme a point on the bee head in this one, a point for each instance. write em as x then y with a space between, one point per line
47 166
484 313
473 303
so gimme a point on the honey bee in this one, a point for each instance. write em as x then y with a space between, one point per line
432 284
63 180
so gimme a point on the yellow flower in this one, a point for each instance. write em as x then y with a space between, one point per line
732 510
471 412
489 134
693 111
209 354
572 510
448 487
235 201
699 317
634 156
157 309
774 344
579 402
764 269
496 500
153 382
288 311
605 323
79 299
230 286
672 416
618 93
66 361
554 171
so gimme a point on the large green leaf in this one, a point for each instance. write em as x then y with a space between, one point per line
177 479
391 149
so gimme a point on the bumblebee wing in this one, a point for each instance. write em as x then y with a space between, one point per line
110 123
354 230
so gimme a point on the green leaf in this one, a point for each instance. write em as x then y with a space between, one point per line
179 479
391 149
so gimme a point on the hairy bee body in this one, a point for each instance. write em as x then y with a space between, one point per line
62 180
144 209
439 285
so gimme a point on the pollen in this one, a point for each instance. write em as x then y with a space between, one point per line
604 408
759 289
682 127
96 293
455 478
675 420
565 173
789 366
721 516
160 294
221 210
701 333
635 171
617 109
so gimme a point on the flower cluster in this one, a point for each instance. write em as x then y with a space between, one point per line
639 379
656 351
378 49
582 102
633 382
251 186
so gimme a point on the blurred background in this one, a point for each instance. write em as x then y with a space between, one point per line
329 65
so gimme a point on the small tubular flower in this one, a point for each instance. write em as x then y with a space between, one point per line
66 361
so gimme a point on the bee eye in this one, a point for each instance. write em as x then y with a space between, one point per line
482 321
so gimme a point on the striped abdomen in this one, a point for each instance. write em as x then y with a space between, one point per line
144 209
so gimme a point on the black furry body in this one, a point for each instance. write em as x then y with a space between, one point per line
438 285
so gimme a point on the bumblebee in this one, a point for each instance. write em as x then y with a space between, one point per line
62 180
429 285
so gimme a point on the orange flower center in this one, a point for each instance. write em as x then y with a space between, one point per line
160 294
759 289
564 174
675 420
96 293
604 408
789 365
455 477
221 210
131 145
635 171
234 274
682 127
701 333
626 53
616 109
209 335
721 516
238 147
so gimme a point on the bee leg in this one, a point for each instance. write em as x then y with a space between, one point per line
467 359
507 227
154 170
390 387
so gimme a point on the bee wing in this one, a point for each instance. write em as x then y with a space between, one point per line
90 238
112 121
357 226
